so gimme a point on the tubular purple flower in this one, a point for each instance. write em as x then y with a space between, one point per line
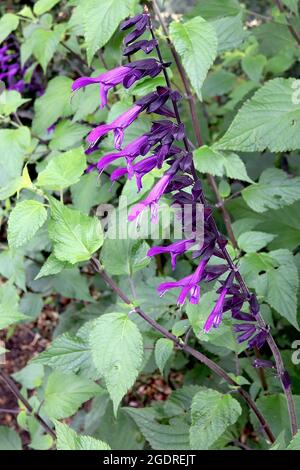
127 75
215 317
189 285
139 169
175 249
138 146
151 200
106 80
118 126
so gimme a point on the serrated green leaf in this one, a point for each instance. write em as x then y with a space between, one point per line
69 354
68 135
212 412
253 66
117 350
31 376
10 101
24 221
163 351
253 241
101 20
75 235
42 44
275 189
196 43
65 393
270 119
63 170
51 266
209 160
8 23
68 439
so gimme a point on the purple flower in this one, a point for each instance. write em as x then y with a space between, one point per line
140 23
174 249
138 146
189 285
215 317
257 363
124 74
151 200
139 169
145 46
118 126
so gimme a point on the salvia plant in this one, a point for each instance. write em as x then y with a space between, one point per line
149 225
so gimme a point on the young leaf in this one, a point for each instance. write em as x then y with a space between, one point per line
270 119
24 221
75 236
212 412
63 170
163 351
64 394
196 43
117 350
51 266
275 189
68 439
101 19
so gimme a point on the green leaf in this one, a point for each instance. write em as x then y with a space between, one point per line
293 5
124 256
270 119
172 436
218 83
9 439
275 189
295 442
75 236
101 20
15 185
230 32
51 266
24 221
279 286
63 170
213 9
10 101
12 267
31 376
163 351
91 191
68 354
209 160
14 144
117 350
42 44
71 284
42 6
253 66
196 43
253 241
9 306
212 413
64 394
68 439
8 23
274 409
56 100
68 135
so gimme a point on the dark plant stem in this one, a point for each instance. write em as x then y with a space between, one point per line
185 347
192 105
275 351
14 389
292 29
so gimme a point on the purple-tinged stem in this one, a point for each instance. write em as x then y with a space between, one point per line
185 347
271 342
